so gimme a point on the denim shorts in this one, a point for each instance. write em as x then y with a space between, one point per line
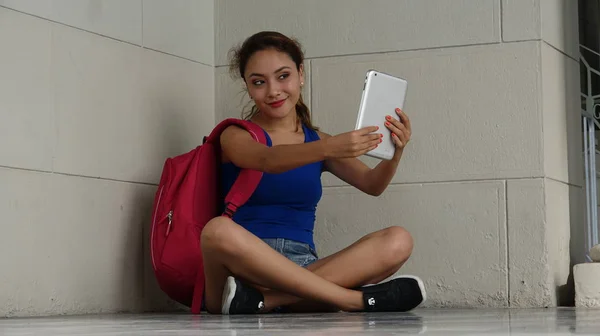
300 253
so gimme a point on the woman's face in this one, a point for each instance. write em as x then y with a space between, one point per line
273 82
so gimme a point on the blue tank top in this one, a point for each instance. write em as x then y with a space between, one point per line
283 205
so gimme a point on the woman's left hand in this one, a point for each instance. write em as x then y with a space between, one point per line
401 130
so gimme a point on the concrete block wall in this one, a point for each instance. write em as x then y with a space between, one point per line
94 95
491 184
97 93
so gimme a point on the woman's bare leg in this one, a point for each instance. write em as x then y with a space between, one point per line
229 249
370 260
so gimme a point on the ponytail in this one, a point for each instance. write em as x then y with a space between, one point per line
303 114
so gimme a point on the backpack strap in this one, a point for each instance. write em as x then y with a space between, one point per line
248 179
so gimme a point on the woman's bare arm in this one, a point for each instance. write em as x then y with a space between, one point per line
240 148
356 173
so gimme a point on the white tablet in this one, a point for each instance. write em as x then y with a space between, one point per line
382 94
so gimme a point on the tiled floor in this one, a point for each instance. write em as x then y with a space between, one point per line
426 322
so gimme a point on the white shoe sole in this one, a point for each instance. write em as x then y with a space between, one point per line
228 295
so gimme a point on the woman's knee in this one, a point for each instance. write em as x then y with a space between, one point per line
398 244
219 234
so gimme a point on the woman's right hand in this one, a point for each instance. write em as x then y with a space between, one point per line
352 144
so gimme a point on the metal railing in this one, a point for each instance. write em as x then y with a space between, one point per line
590 121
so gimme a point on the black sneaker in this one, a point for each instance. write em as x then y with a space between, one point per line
400 294
239 298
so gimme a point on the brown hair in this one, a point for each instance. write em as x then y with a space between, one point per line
270 40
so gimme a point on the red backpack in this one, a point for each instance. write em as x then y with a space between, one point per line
189 196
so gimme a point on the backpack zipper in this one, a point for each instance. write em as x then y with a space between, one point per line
170 217
160 193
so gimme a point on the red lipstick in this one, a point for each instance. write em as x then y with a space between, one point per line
277 103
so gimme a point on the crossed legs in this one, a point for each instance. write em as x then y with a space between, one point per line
228 249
